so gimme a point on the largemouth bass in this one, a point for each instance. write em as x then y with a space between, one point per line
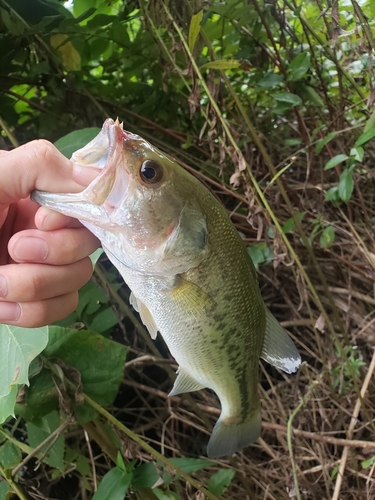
189 272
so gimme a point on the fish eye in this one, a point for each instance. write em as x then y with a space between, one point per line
151 172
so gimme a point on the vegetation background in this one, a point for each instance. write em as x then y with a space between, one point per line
270 104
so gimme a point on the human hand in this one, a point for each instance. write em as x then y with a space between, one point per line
43 255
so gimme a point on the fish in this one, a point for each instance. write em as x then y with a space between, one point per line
189 272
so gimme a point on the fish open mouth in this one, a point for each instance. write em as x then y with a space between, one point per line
105 154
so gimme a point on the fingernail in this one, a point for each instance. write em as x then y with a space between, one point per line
30 249
9 311
3 286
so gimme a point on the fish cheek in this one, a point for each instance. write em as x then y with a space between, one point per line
188 244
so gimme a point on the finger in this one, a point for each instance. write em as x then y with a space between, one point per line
33 282
39 313
36 165
59 247
47 220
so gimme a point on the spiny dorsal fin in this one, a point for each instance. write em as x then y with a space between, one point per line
278 348
184 383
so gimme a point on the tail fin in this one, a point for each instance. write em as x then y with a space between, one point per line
227 439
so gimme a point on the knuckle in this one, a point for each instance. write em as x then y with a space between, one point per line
34 286
41 149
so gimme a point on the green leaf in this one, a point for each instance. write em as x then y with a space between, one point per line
256 255
346 185
368 463
190 465
332 194
7 404
292 99
103 321
194 29
270 80
309 94
18 347
4 490
327 237
335 161
90 353
95 256
220 481
289 224
370 122
10 455
322 142
39 430
114 485
357 154
165 495
299 66
222 64
70 143
365 137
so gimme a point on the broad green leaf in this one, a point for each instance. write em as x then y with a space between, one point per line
222 64
39 430
145 475
299 66
292 99
365 137
327 237
194 29
114 485
40 398
4 490
18 347
270 80
7 404
70 143
336 160
309 94
346 185
190 465
10 455
256 255
165 495
103 321
357 153
332 194
70 56
220 481
322 142
89 352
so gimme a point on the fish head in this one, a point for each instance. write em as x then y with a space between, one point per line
142 206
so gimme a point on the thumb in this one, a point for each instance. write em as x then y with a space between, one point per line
35 165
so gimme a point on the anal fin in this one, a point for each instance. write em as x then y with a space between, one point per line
185 383
278 348
145 315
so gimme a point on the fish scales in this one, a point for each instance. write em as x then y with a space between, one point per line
189 271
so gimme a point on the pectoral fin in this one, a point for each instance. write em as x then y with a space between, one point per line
278 348
145 315
184 383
